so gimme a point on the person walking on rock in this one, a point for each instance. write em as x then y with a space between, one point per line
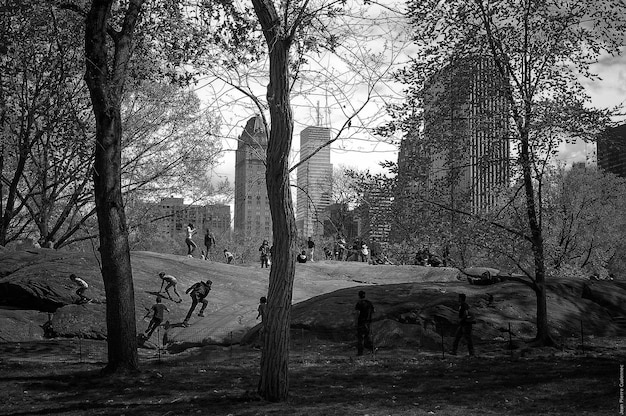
191 246
199 292
171 283
263 315
157 310
364 312
209 242
464 330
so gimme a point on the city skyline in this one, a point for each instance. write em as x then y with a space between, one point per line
608 90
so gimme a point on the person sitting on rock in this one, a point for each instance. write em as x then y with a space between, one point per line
82 287
229 256
171 282
302 257
199 292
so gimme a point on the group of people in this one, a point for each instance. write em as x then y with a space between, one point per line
198 293
364 311
209 243
424 257
358 251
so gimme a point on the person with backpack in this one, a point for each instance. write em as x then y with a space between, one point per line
464 330
199 292
265 252
364 312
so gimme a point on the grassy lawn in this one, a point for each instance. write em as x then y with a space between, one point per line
326 380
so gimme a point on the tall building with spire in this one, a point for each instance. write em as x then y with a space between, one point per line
252 210
314 181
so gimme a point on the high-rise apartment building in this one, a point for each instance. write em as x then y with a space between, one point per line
374 215
314 181
460 155
174 215
252 210
611 150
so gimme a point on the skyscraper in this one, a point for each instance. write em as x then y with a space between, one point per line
612 150
314 181
252 210
461 156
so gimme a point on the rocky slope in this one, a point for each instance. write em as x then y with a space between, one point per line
414 304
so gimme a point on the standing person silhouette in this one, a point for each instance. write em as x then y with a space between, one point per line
464 330
209 242
364 311
311 246
263 315
265 252
191 246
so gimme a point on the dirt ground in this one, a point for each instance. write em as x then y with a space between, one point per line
56 378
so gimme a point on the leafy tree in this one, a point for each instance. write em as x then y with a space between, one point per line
169 142
586 216
46 162
105 80
166 35
344 197
290 29
540 48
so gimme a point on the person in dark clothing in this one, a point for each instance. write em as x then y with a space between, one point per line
157 310
365 310
199 292
302 257
265 252
311 246
465 326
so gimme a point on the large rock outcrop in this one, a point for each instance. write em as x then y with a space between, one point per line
415 305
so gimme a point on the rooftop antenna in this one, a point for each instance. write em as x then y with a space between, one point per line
327 110
319 118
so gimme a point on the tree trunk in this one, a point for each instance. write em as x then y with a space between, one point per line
543 330
274 379
106 92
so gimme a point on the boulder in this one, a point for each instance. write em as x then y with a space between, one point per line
415 305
